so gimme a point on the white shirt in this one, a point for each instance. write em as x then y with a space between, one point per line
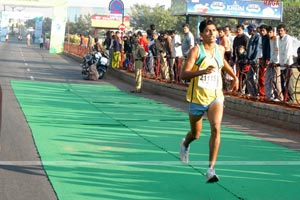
187 43
176 46
274 50
285 51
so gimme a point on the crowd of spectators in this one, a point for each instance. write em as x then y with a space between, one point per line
262 57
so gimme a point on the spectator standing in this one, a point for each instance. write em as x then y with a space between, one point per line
230 37
90 43
139 54
33 38
28 37
252 51
285 58
99 47
240 39
176 53
273 70
155 48
163 58
149 59
117 48
81 40
107 42
243 67
143 40
41 41
264 60
127 51
6 37
152 30
188 43
224 41
169 57
188 40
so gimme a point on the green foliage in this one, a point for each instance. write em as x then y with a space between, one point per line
30 23
74 39
291 16
46 24
142 16
81 26
47 35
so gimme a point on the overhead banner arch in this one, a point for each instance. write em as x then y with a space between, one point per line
58 21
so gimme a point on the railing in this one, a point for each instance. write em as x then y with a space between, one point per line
75 49
157 67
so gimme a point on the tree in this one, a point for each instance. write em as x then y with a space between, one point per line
142 16
29 23
291 10
47 25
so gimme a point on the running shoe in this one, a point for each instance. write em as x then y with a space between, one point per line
211 176
184 152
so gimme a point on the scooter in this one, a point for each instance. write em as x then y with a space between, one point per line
87 62
97 60
102 64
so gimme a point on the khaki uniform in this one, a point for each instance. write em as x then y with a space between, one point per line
138 55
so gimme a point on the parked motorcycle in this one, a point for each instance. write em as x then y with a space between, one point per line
94 66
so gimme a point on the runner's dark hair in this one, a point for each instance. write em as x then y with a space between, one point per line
205 23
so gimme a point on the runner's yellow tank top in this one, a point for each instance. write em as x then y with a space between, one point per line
206 88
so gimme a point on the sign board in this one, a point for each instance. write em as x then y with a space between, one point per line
109 21
116 7
122 27
228 8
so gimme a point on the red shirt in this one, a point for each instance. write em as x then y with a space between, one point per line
144 43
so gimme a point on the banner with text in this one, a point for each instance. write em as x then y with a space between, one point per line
58 28
109 21
4 25
230 8
38 27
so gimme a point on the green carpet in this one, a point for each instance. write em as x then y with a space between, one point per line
97 142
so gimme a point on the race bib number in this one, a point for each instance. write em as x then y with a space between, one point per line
209 81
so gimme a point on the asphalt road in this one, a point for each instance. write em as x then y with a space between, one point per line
21 175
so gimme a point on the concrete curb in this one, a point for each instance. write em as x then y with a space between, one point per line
275 115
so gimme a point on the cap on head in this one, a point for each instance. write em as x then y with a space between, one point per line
251 27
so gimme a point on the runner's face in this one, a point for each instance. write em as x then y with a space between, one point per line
209 34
